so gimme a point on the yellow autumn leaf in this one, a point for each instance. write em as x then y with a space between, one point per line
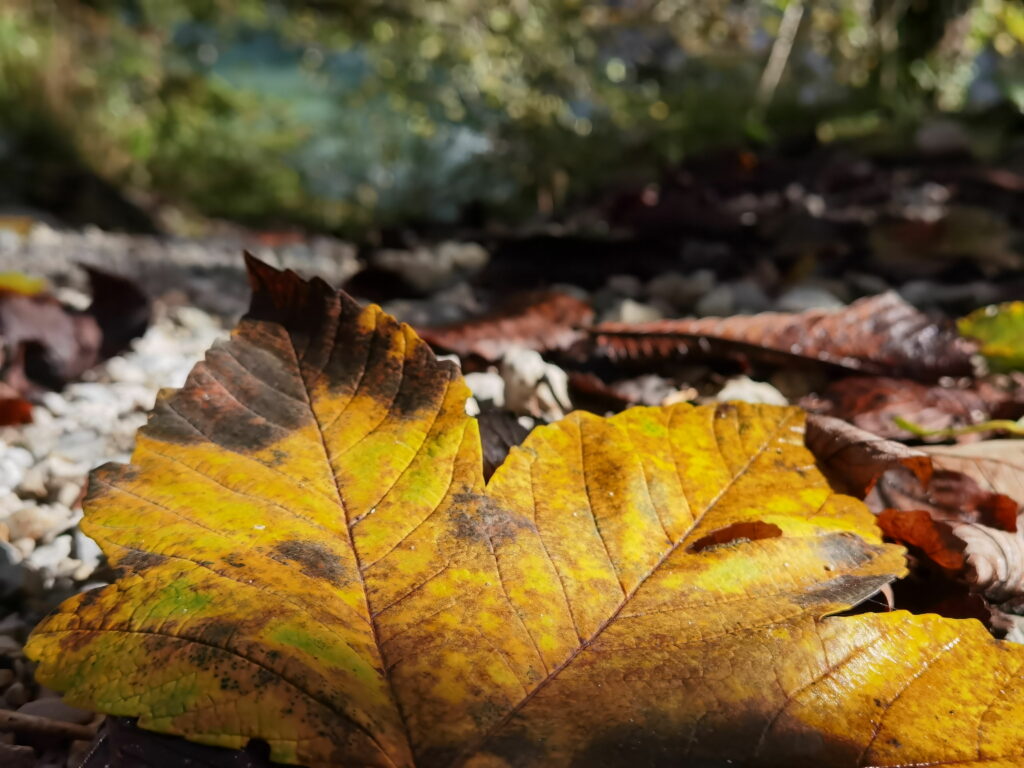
310 556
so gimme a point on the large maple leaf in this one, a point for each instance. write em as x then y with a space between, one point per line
311 557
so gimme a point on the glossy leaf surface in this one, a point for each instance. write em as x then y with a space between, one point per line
310 557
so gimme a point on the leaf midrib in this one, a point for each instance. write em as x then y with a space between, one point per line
348 531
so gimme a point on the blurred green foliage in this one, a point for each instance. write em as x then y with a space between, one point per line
345 114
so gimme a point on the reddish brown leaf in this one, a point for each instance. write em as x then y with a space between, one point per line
854 459
917 528
996 465
925 501
949 495
989 560
15 410
538 320
877 335
871 403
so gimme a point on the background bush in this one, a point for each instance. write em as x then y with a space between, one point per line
348 114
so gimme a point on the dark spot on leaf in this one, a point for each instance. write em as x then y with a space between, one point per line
136 562
314 560
214 631
234 560
264 678
735 534
75 641
479 518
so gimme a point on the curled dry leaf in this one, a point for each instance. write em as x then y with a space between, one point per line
310 556
996 465
877 335
872 403
853 459
963 519
989 559
537 320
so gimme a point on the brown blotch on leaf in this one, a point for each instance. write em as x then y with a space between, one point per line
491 523
136 562
735 534
314 560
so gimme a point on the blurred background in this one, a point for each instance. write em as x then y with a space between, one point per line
355 116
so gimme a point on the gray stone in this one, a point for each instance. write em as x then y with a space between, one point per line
804 297
719 302
56 709
47 559
629 311
681 292
12 576
750 297
39 521
749 391
487 386
16 695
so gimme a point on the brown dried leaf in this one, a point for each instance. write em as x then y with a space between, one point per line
996 465
988 559
853 459
877 335
948 504
537 320
872 403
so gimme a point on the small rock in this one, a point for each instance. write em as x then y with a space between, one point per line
16 695
39 521
533 386
46 560
55 403
866 284
719 302
681 292
649 389
13 625
196 320
749 391
10 648
804 297
629 311
12 576
427 271
56 709
122 370
750 297
24 546
625 285
487 387
87 552
69 494
33 484
6 678
11 474
63 468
